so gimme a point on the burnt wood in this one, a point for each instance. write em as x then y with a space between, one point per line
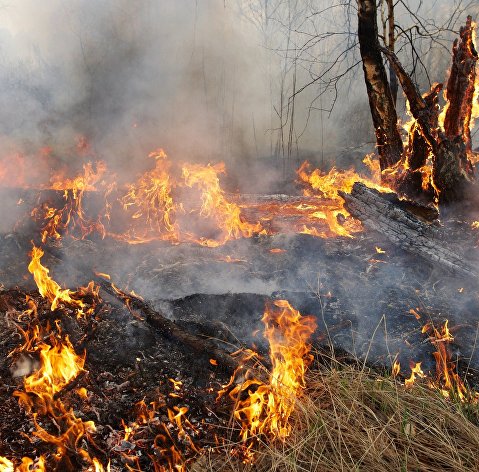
378 212
452 171
170 329
460 86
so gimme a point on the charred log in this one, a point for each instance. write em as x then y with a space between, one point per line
412 181
381 101
171 330
379 213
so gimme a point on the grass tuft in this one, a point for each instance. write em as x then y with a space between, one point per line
351 419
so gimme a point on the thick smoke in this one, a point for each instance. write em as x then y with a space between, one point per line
202 80
205 80
131 77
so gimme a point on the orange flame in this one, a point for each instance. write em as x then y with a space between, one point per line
71 216
396 369
268 406
59 365
27 465
150 198
415 371
50 289
331 205
447 380
215 205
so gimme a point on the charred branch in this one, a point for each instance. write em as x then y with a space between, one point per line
170 330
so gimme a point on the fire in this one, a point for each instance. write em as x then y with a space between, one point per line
475 97
152 202
59 365
50 289
71 217
415 371
447 380
178 428
157 212
6 465
99 467
92 174
265 408
330 205
215 205
474 107
396 369
27 465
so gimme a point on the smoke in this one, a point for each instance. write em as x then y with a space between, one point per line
207 81
131 77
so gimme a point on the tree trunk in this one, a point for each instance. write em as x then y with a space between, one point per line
460 87
393 81
381 100
451 170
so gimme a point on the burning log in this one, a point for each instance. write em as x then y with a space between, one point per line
452 170
379 212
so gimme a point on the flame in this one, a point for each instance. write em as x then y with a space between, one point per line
326 186
396 369
59 365
215 205
166 439
447 380
27 465
99 467
265 408
475 95
474 111
415 371
50 289
6 465
71 217
151 199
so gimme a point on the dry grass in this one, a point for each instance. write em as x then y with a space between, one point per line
355 420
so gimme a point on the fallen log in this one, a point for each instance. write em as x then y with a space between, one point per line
170 329
379 212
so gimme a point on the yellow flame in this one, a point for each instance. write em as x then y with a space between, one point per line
330 205
152 202
268 406
215 205
50 289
